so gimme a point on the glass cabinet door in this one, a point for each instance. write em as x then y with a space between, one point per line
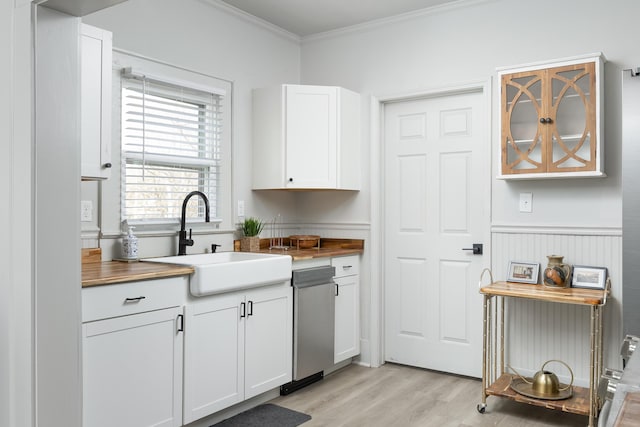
572 111
522 139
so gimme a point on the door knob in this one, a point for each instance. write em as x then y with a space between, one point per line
477 249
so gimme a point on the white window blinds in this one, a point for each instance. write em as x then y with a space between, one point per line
171 145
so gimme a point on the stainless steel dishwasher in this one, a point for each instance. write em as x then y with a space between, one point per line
313 325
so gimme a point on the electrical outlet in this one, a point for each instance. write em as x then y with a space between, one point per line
240 208
526 202
86 211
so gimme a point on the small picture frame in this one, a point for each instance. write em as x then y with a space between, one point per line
523 272
589 277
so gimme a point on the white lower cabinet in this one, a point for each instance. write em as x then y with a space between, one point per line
237 345
132 353
132 370
347 307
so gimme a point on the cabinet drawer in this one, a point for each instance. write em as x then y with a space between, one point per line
346 265
101 302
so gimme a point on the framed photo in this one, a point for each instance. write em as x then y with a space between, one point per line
589 277
523 272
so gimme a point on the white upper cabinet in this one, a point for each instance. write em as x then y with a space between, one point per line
551 119
95 99
306 137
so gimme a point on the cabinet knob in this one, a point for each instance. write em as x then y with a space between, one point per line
107 165
290 179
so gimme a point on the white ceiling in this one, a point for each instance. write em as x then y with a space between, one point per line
306 17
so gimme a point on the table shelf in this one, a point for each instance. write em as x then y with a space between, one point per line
578 403
544 293
497 382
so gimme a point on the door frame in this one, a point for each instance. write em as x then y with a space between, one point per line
377 255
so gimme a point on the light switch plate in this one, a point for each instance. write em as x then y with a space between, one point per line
240 208
86 211
526 202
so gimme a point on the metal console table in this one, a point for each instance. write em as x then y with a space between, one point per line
496 382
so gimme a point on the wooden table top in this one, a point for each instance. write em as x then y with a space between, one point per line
110 272
544 293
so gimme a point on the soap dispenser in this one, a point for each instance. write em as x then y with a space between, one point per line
130 245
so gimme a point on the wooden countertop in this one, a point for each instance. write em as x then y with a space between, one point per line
110 272
95 273
328 248
544 293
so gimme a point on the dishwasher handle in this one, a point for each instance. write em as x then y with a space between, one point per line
312 284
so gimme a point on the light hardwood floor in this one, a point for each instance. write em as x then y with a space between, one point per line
396 395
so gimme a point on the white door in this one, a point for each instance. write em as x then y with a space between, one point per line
437 193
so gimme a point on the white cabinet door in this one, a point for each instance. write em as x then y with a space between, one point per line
347 307
311 136
347 328
214 355
268 340
132 370
306 137
95 90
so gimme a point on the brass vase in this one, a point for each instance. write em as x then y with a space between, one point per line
557 274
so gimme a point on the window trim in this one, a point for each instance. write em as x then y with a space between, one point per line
112 223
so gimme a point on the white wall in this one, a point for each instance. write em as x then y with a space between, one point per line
57 220
200 36
466 44
446 47
455 45
16 314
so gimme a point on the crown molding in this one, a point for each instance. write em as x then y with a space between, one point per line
231 10
459 4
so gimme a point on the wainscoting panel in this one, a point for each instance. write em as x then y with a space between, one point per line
539 331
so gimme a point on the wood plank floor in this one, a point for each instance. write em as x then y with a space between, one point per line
396 395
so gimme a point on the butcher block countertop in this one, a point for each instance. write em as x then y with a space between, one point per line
110 272
95 272
328 248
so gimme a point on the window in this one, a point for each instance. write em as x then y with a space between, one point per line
171 145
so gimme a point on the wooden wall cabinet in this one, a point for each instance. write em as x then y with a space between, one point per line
551 119
306 138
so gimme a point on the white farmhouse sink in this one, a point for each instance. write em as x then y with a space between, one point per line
229 271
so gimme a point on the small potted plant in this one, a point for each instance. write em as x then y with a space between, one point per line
251 228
